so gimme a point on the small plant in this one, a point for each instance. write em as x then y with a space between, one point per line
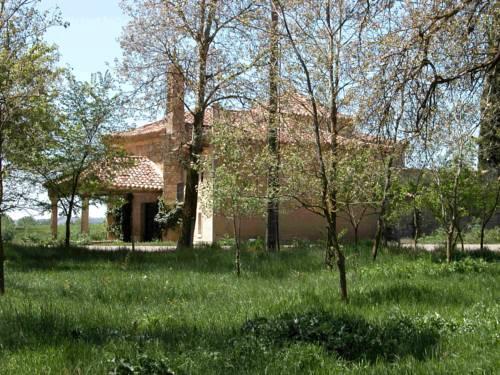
255 244
115 210
467 265
351 338
227 241
142 364
168 217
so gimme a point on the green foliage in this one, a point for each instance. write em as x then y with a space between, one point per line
8 228
471 235
235 184
28 76
351 338
168 217
86 113
237 187
26 221
40 234
143 365
115 209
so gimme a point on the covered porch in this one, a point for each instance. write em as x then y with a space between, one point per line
131 195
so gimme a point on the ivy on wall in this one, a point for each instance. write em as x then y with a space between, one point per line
115 210
168 216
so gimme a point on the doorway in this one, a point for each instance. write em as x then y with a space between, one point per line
151 227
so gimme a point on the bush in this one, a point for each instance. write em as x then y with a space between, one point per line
8 229
143 365
351 338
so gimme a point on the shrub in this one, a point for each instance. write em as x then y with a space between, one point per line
8 229
142 364
351 338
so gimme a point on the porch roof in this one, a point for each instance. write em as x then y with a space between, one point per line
140 174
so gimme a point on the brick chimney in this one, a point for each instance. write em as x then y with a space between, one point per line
173 173
175 100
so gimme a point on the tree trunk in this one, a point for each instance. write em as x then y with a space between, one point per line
329 255
191 196
481 241
383 209
459 235
378 237
356 237
340 261
189 210
237 258
2 255
342 275
449 244
69 213
489 131
272 232
416 227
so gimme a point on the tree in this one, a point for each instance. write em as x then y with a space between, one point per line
26 221
489 142
236 168
8 228
27 74
425 50
197 39
76 151
452 182
322 37
272 232
486 198
359 184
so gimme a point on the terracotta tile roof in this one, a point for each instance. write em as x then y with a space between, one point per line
147 129
134 173
295 110
158 127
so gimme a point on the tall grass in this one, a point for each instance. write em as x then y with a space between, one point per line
41 234
73 311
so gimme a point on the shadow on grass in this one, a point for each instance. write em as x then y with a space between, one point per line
408 293
29 327
205 260
351 338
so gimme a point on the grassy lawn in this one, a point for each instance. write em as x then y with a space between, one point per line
79 312
471 235
40 233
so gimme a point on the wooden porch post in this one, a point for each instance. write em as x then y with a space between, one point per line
53 216
85 229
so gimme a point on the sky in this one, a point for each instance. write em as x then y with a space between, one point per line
90 44
91 40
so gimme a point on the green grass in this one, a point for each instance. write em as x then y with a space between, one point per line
471 235
40 233
82 312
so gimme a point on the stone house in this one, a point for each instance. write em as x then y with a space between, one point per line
156 172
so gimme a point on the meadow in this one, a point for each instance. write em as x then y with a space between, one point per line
80 312
37 233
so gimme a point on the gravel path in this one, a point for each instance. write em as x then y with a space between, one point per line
152 248
167 248
432 247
